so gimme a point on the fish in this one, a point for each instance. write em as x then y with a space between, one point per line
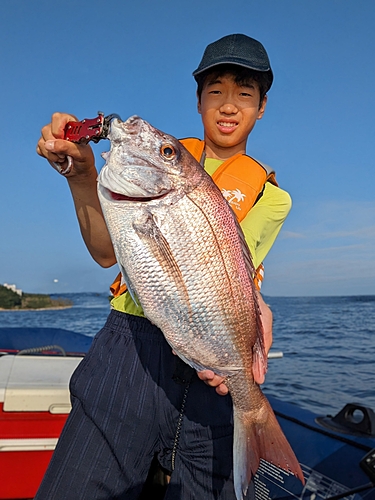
184 259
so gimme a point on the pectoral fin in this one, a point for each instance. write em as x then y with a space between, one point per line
152 237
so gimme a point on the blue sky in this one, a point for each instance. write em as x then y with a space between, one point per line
137 58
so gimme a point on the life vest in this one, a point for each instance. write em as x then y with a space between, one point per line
241 180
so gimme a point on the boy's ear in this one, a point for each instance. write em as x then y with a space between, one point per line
199 104
262 108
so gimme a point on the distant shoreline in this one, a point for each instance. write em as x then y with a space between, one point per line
55 308
12 299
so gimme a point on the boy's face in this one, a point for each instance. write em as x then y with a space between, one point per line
229 112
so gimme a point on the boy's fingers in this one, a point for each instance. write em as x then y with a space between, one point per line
222 390
60 146
59 149
207 376
213 380
53 152
56 149
58 122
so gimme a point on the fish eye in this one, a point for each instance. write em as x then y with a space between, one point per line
168 151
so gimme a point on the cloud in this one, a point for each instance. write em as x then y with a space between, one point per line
326 249
285 235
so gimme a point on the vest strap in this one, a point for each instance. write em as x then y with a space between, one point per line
194 146
116 288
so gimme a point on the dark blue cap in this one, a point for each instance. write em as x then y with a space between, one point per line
236 49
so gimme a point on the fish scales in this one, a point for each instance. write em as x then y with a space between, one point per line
205 272
182 255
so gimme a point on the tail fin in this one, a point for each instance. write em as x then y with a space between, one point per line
256 438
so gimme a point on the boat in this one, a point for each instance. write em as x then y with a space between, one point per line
35 367
337 453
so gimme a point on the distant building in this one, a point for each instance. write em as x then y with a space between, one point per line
13 288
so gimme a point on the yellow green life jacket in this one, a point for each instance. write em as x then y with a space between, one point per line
241 179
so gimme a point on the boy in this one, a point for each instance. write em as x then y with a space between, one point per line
132 399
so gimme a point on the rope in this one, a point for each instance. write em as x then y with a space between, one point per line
35 350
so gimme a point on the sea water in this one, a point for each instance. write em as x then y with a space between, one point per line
328 345
329 352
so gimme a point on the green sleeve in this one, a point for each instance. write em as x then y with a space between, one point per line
263 223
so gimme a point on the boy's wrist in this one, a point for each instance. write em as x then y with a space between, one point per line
82 176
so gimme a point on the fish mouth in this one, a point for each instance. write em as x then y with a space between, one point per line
142 186
123 197
120 197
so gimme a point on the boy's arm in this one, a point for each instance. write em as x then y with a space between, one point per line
264 221
82 184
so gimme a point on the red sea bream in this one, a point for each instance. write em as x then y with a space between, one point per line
183 257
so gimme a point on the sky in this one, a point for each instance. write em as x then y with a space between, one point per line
137 58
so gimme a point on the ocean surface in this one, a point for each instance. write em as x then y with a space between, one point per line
328 345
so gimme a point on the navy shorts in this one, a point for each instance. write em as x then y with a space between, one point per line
133 400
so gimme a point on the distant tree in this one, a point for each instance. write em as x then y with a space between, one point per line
8 298
11 300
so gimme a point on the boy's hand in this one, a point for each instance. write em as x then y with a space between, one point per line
210 378
54 148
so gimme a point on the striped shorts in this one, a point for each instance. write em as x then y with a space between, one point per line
133 400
